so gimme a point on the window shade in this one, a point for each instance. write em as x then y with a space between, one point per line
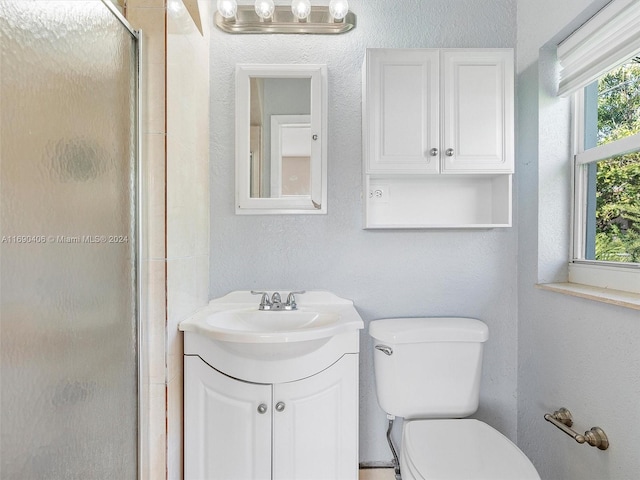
608 39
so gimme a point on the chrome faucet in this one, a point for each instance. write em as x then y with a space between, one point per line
291 300
276 301
265 303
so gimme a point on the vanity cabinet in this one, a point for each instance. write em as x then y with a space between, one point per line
304 429
438 134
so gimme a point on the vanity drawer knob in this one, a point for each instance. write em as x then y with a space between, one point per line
449 152
262 408
434 152
280 406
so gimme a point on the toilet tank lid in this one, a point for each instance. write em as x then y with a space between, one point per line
428 329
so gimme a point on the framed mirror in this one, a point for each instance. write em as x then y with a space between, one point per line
281 146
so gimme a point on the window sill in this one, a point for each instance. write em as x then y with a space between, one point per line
605 295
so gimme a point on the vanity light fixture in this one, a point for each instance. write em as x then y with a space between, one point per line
338 9
227 8
301 9
264 9
301 17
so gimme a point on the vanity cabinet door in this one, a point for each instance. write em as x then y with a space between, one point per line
401 108
226 436
477 111
315 425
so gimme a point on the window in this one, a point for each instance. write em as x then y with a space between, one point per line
607 170
603 75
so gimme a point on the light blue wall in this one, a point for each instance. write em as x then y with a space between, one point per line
573 353
388 273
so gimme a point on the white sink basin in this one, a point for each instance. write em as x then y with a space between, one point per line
238 339
319 315
255 326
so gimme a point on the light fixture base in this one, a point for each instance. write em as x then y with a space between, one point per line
319 21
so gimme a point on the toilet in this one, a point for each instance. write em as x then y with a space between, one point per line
428 370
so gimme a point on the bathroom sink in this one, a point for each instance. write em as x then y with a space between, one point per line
255 326
237 338
319 315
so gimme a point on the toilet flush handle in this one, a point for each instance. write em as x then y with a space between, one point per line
385 349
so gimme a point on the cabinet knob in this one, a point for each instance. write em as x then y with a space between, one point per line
280 406
434 152
262 408
449 152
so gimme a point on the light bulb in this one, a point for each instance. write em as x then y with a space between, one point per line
338 9
301 8
265 8
175 7
227 8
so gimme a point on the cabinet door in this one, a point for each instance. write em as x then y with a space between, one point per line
226 437
477 111
401 108
316 432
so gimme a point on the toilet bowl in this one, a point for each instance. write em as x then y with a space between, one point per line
460 449
427 370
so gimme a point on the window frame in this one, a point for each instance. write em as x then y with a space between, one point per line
597 273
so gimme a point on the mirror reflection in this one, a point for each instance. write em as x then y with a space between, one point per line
281 141
280 137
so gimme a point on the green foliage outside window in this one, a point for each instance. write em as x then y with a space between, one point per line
618 179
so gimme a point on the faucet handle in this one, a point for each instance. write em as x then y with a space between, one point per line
291 300
265 304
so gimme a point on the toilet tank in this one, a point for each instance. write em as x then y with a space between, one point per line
428 367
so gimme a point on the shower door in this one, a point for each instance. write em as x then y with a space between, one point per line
68 281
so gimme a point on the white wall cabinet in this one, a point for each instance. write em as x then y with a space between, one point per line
438 134
403 120
477 113
303 430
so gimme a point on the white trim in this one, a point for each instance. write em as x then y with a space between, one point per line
609 150
279 125
577 214
316 203
607 40
605 275
579 211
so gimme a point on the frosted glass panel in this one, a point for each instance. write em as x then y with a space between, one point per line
68 343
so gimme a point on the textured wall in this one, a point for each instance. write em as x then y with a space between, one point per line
573 353
386 273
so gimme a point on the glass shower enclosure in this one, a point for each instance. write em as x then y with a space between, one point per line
68 251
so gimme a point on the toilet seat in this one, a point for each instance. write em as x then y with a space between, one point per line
464 449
